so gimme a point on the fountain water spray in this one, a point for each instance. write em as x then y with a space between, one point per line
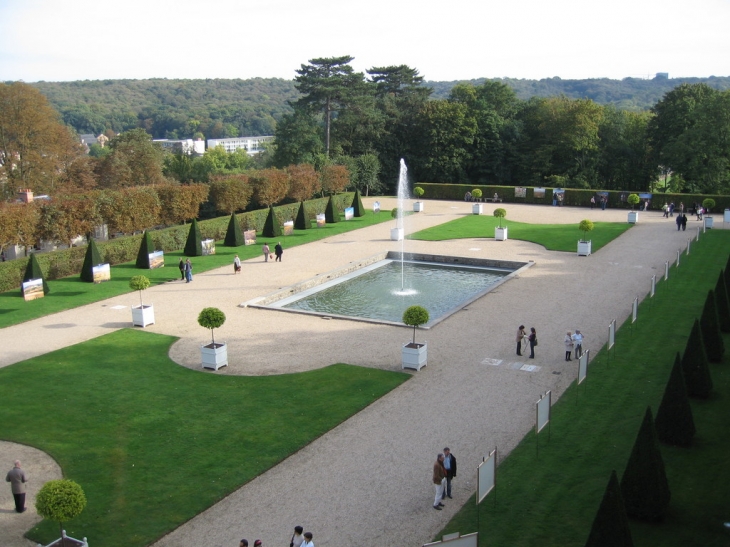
403 194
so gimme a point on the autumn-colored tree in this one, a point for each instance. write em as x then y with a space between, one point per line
179 203
35 146
18 224
66 218
79 176
134 160
271 185
334 179
303 182
130 209
230 193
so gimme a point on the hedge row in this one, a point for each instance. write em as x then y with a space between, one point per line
573 196
66 262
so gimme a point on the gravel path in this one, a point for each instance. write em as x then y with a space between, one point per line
370 476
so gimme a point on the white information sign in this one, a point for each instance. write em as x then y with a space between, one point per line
678 253
634 309
542 412
666 270
349 213
653 286
32 289
457 540
583 366
486 476
611 334
689 242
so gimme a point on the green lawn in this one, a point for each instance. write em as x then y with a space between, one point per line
153 443
554 237
71 292
551 499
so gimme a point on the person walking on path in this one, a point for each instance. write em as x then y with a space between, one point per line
266 251
439 478
243 543
684 222
278 251
297 538
568 345
678 221
450 467
578 343
603 203
17 479
308 540
521 334
181 266
593 202
236 265
188 271
532 339
665 208
257 543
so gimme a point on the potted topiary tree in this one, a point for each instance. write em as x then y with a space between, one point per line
708 204
414 355
418 204
500 232
60 501
397 233
213 355
584 245
476 208
633 200
142 315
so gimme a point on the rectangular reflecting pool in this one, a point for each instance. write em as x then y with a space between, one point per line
380 288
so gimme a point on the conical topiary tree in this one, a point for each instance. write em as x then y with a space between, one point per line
272 228
234 235
727 275
301 222
331 214
359 210
723 303
694 365
145 248
611 525
194 244
91 259
33 271
674 422
710 325
644 484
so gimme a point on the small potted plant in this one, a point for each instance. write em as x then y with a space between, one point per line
418 204
397 233
213 355
633 200
476 208
708 204
142 315
500 232
584 246
60 501
414 355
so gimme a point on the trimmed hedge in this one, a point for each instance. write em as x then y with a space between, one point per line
66 262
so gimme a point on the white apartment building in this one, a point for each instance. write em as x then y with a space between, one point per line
252 145
185 146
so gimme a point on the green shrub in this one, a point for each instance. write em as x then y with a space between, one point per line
357 205
633 200
723 304
418 191
92 258
331 214
234 235
711 334
476 193
33 271
611 525
272 228
694 365
194 243
60 501
585 226
415 316
708 204
302 222
500 214
139 283
674 422
211 318
145 248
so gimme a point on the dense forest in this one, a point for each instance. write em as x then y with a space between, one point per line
217 108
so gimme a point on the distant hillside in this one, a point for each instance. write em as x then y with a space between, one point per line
221 108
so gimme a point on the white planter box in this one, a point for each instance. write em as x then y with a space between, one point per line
500 234
414 357
70 542
584 248
418 207
143 315
214 356
477 208
708 222
633 217
396 234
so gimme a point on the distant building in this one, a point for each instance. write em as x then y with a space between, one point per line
88 140
182 146
252 145
662 76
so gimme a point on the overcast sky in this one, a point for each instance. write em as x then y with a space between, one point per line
60 40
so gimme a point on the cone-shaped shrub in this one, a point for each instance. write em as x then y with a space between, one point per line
271 225
710 325
301 222
194 244
727 275
359 210
145 248
33 271
723 304
674 422
92 258
694 365
234 235
644 485
331 215
611 525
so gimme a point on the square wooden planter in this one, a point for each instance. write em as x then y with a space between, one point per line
397 234
500 234
414 356
214 356
633 217
418 207
708 222
143 315
477 208
584 248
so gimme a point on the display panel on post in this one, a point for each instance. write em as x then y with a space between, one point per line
486 476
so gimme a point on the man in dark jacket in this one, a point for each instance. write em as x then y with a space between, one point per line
450 466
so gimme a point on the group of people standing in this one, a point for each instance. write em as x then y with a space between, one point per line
444 471
523 339
186 270
278 251
298 539
573 342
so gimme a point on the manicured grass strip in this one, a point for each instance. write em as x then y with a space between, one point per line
71 292
152 443
554 237
551 500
